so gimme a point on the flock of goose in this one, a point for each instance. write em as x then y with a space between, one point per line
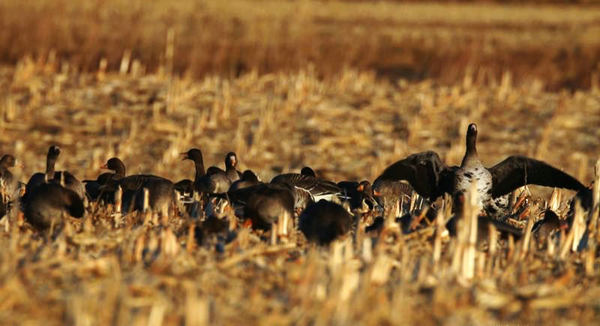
324 210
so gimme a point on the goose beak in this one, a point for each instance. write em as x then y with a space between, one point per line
184 156
376 193
360 188
104 166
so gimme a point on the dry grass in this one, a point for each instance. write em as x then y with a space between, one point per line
279 114
559 45
347 126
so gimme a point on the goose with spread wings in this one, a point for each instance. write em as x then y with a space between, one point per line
431 178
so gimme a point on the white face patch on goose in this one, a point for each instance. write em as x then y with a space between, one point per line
233 160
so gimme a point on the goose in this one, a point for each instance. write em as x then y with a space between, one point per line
267 203
40 178
47 203
307 188
161 192
308 171
360 194
431 178
9 186
64 178
247 179
324 221
231 162
213 180
93 188
6 177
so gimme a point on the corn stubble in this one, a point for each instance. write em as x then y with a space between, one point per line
558 45
135 269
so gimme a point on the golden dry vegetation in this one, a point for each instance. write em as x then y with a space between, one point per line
311 92
558 45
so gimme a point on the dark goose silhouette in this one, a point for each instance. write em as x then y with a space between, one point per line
218 175
46 204
95 189
64 178
324 221
547 225
266 203
431 178
69 181
161 192
261 202
185 187
213 180
359 194
247 179
308 171
117 166
40 178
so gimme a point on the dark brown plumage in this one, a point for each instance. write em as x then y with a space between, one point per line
547 225
185 187
212 181
63 178
231 162
308 171
47 203
358 194
266 203
69 181
324 221
117 166
247 179
96 189
161 192
40 178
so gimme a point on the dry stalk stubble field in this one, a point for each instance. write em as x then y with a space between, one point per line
348 124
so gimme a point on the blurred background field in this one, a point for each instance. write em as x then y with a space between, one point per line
346 87
558 44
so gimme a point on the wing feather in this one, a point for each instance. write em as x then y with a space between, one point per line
517 171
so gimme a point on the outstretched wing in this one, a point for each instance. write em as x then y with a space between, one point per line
313 185
517 171
425 172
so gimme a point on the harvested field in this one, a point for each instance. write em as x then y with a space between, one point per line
348 123
557 45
